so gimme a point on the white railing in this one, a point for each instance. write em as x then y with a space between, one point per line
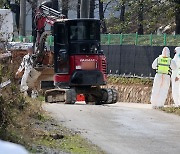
4 84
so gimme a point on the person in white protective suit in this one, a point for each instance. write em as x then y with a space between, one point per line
26 66
176 78
11 148
163 66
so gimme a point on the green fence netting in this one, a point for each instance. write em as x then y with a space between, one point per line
142 40
123 39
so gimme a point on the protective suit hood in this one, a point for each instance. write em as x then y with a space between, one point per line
177 55
177 49
165 52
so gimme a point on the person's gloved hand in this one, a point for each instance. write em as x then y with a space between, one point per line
18 74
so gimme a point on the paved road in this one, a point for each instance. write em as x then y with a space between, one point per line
122 128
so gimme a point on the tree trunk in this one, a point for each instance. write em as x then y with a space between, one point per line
177 16
101 16
16 9
122 19
34 32
92 7
17 17
84 10
140 18
22 17
55 5
78 8
65 4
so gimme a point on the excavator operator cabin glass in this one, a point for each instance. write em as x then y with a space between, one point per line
84 30
84 36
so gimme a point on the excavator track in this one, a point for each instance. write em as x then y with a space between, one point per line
67 96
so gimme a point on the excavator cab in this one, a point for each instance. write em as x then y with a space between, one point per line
75 37
77 53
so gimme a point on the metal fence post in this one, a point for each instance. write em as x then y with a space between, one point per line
30 38
20 38
136 39
109 39
51 40
151 39
121 38
165 39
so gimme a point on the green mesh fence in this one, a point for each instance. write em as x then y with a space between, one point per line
27 39
128 39
142 40
123 39
173 40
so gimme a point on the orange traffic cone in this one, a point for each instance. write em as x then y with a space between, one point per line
80 97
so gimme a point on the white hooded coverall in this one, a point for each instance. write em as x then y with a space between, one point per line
26 65
161 82
176 73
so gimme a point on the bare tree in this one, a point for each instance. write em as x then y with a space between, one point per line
15 8
78 8
177 16
140 17
92 7
65 4
22 17
33 4
55 5
122 14
101 16
84 10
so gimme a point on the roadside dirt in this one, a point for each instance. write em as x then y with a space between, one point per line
46 130
49 137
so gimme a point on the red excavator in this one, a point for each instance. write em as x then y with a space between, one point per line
79 62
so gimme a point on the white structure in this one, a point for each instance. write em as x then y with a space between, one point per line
6 25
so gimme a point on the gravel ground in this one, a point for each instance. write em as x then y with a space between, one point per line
122 127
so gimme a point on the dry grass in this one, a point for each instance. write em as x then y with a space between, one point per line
174 110
127 81
16 116
16 113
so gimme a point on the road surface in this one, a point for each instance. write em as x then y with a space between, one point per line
122 128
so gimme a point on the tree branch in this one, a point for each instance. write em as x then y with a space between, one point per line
106 6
